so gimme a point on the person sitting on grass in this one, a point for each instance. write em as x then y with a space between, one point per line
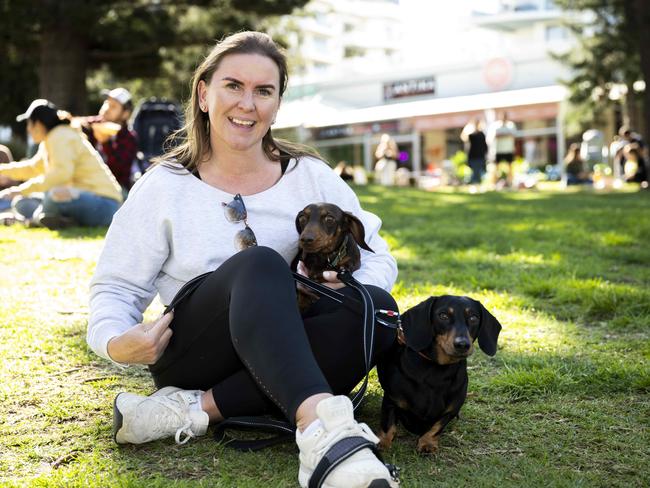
118 149
635 170
238 344
576 167
5 157
67 183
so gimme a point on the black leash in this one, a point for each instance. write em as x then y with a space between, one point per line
284 430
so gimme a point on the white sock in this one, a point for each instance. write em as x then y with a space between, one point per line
311 428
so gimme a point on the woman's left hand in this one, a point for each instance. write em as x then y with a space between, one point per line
331 281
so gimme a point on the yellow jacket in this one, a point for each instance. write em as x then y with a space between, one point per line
65 158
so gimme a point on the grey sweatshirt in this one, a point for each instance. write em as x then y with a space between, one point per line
172 228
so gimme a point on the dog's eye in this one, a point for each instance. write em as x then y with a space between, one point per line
329 220
302 219
473 320
443 316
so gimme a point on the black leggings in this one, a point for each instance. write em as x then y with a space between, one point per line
241 334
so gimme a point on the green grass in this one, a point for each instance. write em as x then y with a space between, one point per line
565 402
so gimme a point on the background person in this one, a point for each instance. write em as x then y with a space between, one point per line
118 149
5 182
619 149
386 166
344 170
502 143
635 169
476 147
237 345
576 167
78 188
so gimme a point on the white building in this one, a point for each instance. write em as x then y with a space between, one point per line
334 36
495 61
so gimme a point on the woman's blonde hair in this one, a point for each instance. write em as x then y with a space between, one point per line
189 145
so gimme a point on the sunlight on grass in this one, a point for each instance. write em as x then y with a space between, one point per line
563 403
615 239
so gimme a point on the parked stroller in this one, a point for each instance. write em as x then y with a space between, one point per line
154 120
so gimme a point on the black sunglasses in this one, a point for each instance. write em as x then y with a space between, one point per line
235 212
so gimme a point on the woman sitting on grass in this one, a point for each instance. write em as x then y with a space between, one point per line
238 344
78 187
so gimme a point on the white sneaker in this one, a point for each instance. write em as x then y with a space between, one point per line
168 412
167 390
360 470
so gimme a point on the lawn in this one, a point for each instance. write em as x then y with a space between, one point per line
565 402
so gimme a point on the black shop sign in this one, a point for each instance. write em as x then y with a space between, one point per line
409 88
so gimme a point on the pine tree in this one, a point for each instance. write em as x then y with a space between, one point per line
613 51
48 47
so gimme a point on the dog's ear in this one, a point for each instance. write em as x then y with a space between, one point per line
298 228
416 322
357 231
488 332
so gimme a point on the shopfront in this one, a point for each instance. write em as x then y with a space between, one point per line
428 131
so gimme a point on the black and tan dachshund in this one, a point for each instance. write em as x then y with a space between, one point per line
329 240
424 375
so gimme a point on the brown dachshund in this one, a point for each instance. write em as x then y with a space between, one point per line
424 374
329 240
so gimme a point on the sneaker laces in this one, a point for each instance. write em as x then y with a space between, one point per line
187 430
178 403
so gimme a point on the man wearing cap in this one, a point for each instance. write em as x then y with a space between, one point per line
118 149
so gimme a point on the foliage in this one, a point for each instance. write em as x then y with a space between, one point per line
128 40
563 403
607 54
462 172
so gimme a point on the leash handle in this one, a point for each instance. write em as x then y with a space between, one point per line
368 330
283 431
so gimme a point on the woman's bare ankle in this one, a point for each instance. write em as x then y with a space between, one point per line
306 412
209 406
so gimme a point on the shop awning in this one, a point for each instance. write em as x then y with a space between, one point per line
315 114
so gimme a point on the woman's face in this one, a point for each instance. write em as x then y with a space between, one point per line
36 130
242 99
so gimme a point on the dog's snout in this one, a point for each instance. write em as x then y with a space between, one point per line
462 344
306 238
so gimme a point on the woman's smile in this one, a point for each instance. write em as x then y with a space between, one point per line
241 122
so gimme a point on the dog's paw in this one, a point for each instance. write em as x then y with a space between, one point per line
427 444
386 438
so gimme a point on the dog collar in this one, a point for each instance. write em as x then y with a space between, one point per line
339 254
401 339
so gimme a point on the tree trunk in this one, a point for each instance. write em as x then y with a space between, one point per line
62 69
642 16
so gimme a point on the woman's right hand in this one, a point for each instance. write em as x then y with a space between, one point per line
143 343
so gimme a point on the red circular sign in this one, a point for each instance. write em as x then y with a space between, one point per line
498 73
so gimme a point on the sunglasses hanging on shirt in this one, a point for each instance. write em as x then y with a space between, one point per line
235 212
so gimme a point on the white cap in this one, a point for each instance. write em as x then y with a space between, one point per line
39 102
120 94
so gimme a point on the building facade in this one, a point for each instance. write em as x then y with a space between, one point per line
425 107
331 37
